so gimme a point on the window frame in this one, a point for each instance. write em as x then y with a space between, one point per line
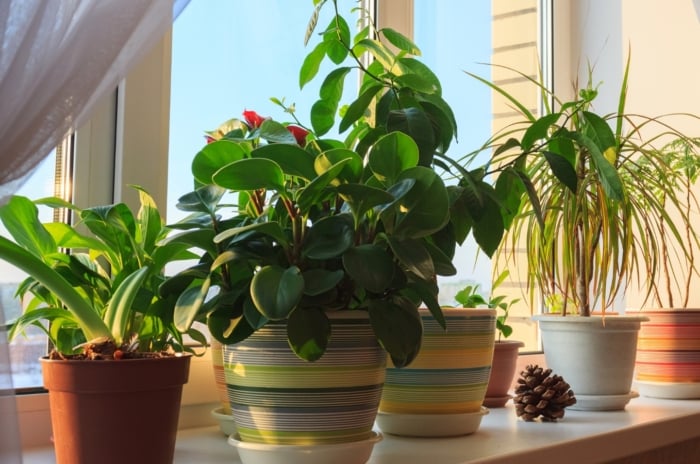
125 141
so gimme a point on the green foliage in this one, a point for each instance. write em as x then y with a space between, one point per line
97 279
593 220
471 297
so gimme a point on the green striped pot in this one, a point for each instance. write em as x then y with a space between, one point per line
451 372
277 398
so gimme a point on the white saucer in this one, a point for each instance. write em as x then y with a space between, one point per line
602 402
357 452
226 423
669 390
430 425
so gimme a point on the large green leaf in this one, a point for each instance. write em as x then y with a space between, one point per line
319 281
370 266
416 123
322 116
119 308
329 237
425 208
274 132
488 229
412 66
311 64
538 130
359 106
21 219
276 291
308 333
400 41
562 170
204 199
391 155
293 160
414 256
352 170
271 229
189 304
213 157
317 188
251 174
609 178
362 198
398 327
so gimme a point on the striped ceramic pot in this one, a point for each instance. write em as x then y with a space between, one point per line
217 361
451 372
668 354
277 398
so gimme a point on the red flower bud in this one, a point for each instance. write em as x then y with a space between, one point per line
253 119
209 139
299 134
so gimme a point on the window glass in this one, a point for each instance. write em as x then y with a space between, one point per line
229 56
25 350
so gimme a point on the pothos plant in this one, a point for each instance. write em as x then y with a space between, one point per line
93 285
293 224
603 198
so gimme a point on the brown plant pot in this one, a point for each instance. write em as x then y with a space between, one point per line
505 358
115 412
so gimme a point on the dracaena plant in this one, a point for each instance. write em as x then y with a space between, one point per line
293 223
93 286
604 198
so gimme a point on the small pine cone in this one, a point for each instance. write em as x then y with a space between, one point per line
541 394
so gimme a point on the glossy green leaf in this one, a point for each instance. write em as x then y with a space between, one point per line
319 281
119 309
362 198
251 174
425 208
317 188
391 155
609 178
562 169
311 64
274 132
337 39
271 229
412 66
204 199
370 266
21 219
308 333
352 170
189 304
322 116
415 123
276 291
213 157
329 237
488 230
538 130
398 328
358 107
400 41
293 160
377 49
414 256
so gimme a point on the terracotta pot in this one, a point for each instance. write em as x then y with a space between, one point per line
505 359
595 355
115 412
668 354
277 398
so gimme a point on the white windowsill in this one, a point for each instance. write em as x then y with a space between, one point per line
581 437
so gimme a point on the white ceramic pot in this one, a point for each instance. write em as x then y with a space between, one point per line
595 355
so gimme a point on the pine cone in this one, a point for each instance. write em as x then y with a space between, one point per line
539 394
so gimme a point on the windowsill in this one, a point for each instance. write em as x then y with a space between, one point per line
586 437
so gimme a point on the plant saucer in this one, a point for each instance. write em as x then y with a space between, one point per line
356 452
430 425
602 402
226 423
669 390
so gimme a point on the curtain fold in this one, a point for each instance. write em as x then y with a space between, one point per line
57 59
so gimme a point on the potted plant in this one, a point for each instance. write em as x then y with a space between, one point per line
591 226
320 241
668 355
118 363
505 354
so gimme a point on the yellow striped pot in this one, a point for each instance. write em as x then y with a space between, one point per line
277 398
451 372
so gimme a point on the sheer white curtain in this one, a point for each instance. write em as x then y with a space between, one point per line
57 58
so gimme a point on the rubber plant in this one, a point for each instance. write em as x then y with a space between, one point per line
95 282
293 223
597 222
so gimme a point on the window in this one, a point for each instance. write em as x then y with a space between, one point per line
26 350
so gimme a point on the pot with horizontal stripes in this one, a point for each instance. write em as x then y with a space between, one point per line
668 353
451 372
278 398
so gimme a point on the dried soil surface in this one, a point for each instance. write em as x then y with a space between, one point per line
108 350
